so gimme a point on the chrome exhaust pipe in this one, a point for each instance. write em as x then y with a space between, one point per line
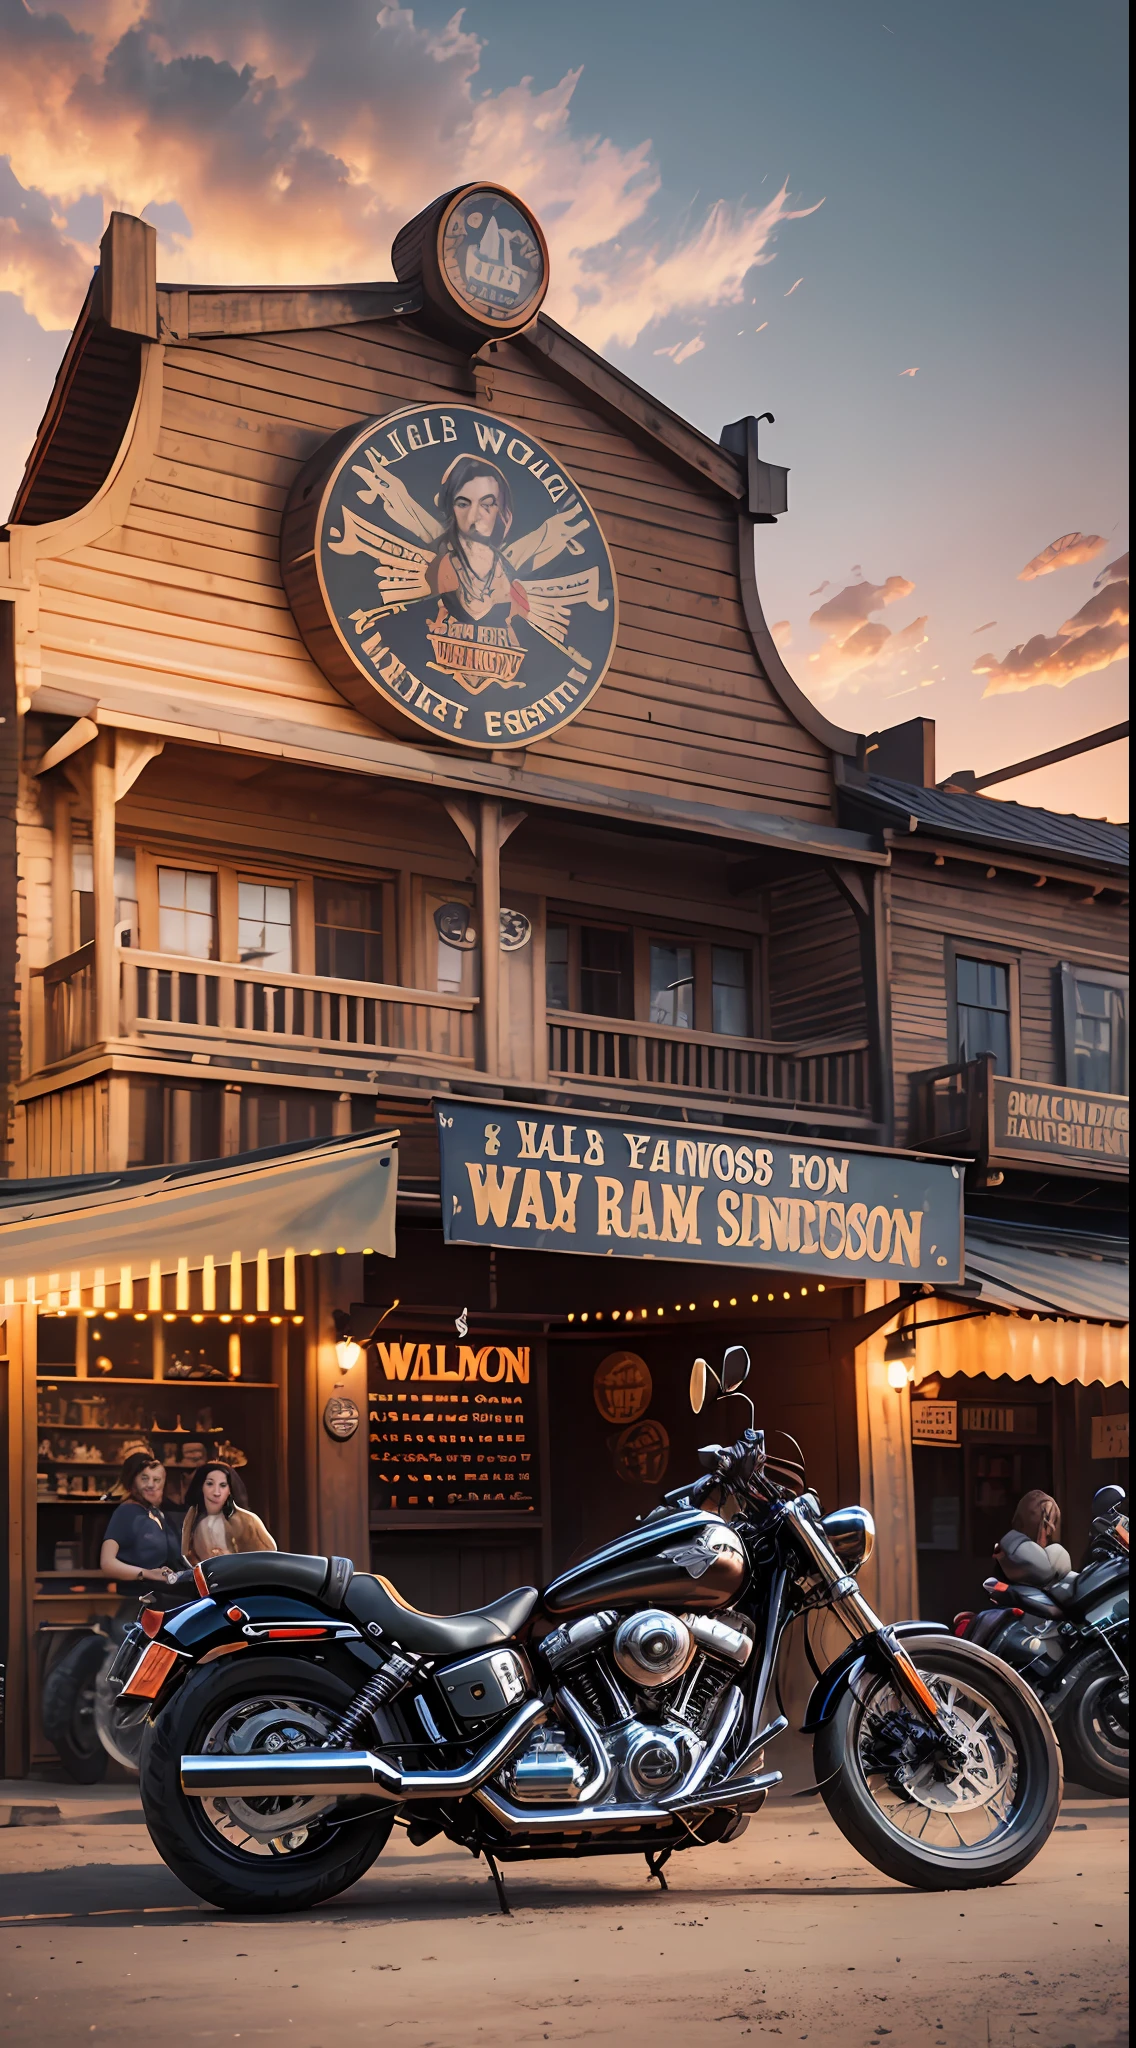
339 1773
577 1820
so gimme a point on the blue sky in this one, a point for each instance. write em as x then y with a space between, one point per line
971 165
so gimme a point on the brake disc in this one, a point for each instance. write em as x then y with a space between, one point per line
280 1726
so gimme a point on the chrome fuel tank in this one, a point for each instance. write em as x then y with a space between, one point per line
686 1559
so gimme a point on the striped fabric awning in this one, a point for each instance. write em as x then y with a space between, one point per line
107 1239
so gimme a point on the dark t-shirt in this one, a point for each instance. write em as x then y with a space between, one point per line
144 1537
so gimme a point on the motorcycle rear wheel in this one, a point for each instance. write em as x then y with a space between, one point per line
68 1710
944 1832
1092 1728
310 1856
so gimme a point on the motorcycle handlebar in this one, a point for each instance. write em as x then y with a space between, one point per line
739 1460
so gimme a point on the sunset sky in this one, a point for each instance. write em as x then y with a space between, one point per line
899 228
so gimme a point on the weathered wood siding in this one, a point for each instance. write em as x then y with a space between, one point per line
816 985
184 600
1039 927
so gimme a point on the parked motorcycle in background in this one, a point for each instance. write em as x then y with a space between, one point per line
298 1708
1069 1641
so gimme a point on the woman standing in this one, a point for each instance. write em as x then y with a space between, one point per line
140 1545
218 1517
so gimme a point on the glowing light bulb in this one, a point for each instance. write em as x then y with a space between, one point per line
897 1375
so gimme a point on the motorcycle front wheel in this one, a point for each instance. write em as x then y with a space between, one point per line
918 1819
273 1855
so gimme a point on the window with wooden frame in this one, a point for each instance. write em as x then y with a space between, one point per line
680 981
1094 1015
272 921
983 1004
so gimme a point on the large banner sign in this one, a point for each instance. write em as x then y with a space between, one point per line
630 1189
1072 1124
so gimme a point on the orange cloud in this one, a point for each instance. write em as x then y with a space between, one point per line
681 351
1116 572
1092 639
295 140
782 632
1067 552
910 373
859 651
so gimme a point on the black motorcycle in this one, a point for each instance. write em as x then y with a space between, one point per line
299 1707
1069 1641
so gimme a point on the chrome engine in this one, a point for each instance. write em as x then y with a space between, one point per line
675 1669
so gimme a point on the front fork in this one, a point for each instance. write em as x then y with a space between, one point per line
861 1621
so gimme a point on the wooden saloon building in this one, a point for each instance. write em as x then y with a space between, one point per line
394 744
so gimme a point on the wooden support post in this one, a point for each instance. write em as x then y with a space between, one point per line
62 940
102 848
489 926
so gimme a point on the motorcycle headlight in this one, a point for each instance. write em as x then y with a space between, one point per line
852 1534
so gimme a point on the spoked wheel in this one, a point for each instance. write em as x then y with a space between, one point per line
270 1855
975 1820
1093 1728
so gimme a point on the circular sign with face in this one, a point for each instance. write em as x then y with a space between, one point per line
449 577
341 1417
492 258
642 1453
622 1387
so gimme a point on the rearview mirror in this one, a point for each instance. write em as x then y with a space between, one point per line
699 1374
1106 1498
735 1368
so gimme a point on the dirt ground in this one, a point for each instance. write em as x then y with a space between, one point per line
785 1935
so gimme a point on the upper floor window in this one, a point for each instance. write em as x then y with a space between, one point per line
1095 1006
589 968
605 972
982 1009
672 985
729 988
187 912
264 925
125 895
349 930
680 984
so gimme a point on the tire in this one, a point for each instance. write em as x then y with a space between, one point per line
1092 1728
68 1709
1014 1753
204 1842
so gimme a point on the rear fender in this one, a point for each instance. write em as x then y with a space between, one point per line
207 1630
840 1677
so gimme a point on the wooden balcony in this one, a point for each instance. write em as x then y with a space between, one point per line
1007 1124
169 1001
827 1078
169 1004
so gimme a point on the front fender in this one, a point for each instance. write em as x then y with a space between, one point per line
829 1690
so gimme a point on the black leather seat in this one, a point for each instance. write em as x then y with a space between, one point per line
279 1571
377 1605
1030 1599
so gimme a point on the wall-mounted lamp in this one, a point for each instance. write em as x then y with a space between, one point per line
347 1351
899 1356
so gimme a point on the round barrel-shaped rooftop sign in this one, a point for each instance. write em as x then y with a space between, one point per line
450 578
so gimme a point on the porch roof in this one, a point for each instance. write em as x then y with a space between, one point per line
60 1237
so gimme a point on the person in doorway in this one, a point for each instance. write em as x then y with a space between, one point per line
1031 1552
141 1545
218 1517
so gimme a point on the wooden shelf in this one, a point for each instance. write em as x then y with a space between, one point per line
108 1385
74 1500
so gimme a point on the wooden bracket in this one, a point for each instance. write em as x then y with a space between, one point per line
78 735
132 752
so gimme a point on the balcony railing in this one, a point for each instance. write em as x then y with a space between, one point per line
69 1004
220 999
826 1075
1005 1123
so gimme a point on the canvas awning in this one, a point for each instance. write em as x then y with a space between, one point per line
1067 1294
114 1235
1048 1272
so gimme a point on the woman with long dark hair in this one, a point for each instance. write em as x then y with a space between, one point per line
218 1517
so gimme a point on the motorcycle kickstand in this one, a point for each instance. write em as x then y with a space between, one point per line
502 1898
655 1866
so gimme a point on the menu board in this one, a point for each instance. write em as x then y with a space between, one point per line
452 1427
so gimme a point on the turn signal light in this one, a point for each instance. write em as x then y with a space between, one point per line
150 1673
151 1619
